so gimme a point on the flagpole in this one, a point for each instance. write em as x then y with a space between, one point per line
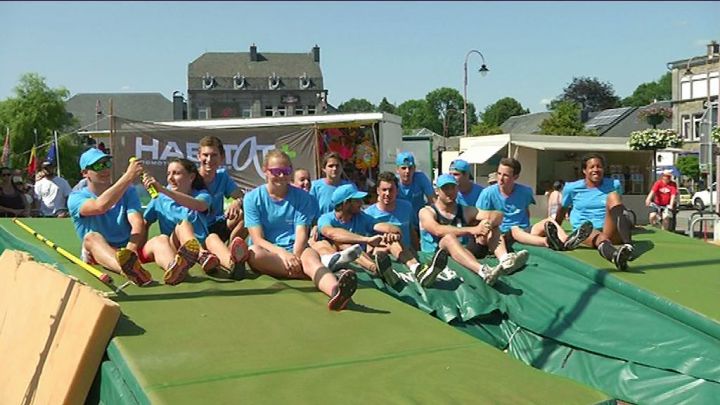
57 154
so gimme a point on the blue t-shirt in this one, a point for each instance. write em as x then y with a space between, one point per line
169 213
323 193
588 204
416 193
360 224
278 219
400 217
514 207
221 187
113 225
469 199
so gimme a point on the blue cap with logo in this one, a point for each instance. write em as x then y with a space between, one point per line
405 159
460 165
445 179
91 156
346 192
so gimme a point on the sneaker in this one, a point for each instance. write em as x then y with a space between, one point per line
385 269
239 250
491 275
621 257
631 248
343 291
429 272
511 262
209 261
578 236
344 257
185 258
131 268
551 234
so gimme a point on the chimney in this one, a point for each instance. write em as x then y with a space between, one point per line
713 49
253 53
316 53
179 106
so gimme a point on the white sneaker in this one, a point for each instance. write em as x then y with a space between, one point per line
491 274
344 257
511 262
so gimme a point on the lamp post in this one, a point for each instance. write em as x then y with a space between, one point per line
483 71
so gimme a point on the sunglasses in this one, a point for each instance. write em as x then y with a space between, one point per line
7 174
100 165
276 171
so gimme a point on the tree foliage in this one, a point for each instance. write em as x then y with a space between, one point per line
36 108
497 113
386 106
565 120
356 105
689 166
647 93
415 114
589 93
446 106
484 129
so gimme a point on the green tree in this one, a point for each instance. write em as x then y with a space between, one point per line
565 120
647 93
356 105
689 166
497 113
446 106
590 93
415 114
484 129
36 108
386 106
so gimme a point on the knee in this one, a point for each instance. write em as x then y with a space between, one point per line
92 238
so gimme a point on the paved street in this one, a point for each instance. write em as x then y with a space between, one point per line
682 224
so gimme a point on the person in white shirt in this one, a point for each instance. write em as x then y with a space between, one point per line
52 192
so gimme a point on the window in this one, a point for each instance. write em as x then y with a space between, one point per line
696 86
697 119
686 129
268 111
310 110
281 111
246 112
204 113
299 111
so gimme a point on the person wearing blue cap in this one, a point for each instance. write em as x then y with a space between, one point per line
513 200
278 218
468 191
108 220
322 188
414 187
451 226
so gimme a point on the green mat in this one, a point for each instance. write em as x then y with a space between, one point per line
265 341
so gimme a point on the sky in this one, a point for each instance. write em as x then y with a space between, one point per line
371 50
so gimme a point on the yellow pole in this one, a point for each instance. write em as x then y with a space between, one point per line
92 270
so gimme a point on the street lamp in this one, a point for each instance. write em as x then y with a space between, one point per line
483 71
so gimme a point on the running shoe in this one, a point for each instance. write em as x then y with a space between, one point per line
344 257
239 250
385 270
551 234
491 274
343 291
185 258
209 261
512 262
429 272
578 236
131 268
621 256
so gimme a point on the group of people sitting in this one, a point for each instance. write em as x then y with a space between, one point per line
292 227
45 196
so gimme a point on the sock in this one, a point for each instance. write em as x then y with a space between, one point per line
481 271
325 259
606 249
350 254
623 224
414 267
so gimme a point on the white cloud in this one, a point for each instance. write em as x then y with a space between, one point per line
544 102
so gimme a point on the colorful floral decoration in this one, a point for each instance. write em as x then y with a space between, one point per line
654 139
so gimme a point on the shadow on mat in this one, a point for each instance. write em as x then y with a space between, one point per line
674 265
353 306
126 327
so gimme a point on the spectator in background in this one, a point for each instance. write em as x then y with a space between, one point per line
661 199
554 201
26 188
414 187
12 201
323 188
492 178
52 192
468 191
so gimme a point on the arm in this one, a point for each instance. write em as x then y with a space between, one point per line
235 208
560 215
302 235
340 235
258 238
649 197
138 235
112 195
183 199
430 224
385 227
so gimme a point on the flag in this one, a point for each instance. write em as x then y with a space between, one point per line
6 151
51 156
32 163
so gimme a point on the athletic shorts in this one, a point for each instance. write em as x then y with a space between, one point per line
220 229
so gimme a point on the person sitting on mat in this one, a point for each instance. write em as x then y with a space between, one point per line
414 187
350 227
278 218
597 199
108 220
323 188
467 233
513 200
181 210
468 190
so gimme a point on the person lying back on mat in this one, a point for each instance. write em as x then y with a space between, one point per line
278 218
466 233
181 211
513 200
108 220
597 199
351 229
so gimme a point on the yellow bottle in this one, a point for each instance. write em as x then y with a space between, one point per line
151 190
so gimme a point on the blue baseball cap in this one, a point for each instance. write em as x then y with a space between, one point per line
460 165
405 159
91 156
444 179
346 192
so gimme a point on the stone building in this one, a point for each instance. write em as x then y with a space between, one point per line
255 84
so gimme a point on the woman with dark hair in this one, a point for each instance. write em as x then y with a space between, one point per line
554 201
12 200
597 199
181 211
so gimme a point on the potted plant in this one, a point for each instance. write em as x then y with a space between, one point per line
654 139
655 115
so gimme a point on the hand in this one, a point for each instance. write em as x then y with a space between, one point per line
647 203
134 169
481 229
291 263
233 210
389 238
150 181
313 234
374 240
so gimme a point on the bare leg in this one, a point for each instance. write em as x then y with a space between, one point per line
364 261
159 249
269 263
101 251
459 253
323 278
215 245
404 254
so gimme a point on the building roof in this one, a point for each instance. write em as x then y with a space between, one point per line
134 106
322 120
228 64
524 124
629 121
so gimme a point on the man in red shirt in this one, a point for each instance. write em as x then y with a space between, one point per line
661 198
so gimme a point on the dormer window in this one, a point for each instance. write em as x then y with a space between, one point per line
273 81
239 81
208 82
304 81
